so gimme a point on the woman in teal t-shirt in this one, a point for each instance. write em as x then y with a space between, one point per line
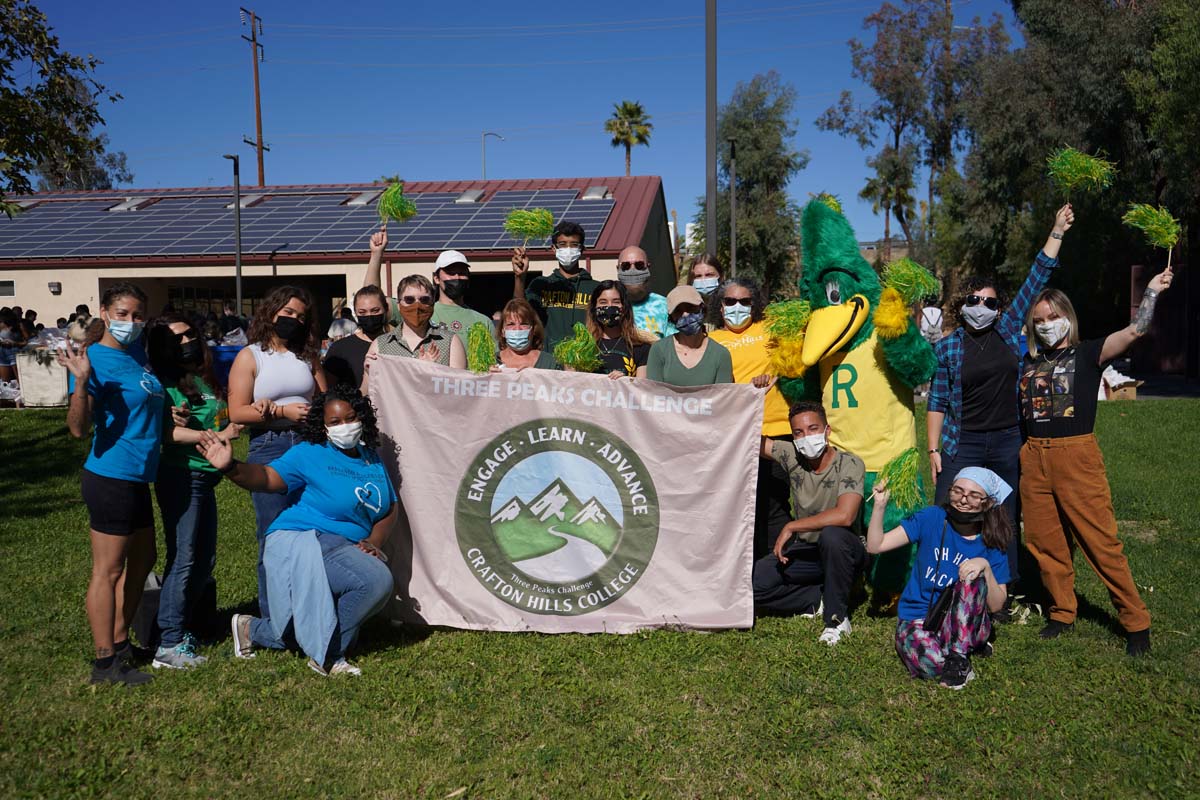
117 397
342 518
185 483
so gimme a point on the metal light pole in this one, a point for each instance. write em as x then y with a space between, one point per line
710 125
732 207
483 149
237 230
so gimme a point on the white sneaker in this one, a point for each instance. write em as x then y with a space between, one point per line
340 667
817 613
832 636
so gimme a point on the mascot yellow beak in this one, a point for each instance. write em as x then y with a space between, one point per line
831 327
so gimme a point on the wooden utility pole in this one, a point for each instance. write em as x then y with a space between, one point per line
256 55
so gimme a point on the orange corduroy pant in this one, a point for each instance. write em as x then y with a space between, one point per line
1066 502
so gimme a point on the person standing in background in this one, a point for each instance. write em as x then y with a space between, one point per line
560 298
649 308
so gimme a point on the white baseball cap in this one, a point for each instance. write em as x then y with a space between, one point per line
448 258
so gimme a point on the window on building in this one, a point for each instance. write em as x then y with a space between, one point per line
8 288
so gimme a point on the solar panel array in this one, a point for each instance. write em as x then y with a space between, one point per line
313 222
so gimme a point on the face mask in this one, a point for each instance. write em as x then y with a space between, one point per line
517 339
455 290
706 285
962 517
416 316
568 257
191 352
608 316
690 324
125 332
737 316
291 330
346 436
978 317
1053 332
633 277
371 324
811 446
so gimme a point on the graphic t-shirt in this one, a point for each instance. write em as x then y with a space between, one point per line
1059 390
344 361
651 315
560 302
210 414
458 320
663 365
933 570
814 492
127 414
615 356
342 494
748 350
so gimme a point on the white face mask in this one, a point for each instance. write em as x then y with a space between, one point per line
979 317
568 255
706 285
736 317
1053 332
346 436
811 446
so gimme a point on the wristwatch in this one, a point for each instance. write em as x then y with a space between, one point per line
1055 235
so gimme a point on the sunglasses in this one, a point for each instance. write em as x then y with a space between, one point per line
424 300
730 302
631 265
990 302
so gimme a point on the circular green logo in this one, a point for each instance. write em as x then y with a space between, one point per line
557 516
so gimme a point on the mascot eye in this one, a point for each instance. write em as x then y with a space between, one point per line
832 293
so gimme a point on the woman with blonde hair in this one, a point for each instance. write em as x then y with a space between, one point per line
1064 488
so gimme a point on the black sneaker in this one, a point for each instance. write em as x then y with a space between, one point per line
1137 643
129 653
119 672
1055 629
984 650
957 672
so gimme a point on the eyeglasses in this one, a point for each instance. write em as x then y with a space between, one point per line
624 265
990 302
424 300
730 302
973 496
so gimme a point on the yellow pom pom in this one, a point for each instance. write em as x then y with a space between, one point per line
784 357
891 317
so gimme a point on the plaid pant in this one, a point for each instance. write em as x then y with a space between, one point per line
966 627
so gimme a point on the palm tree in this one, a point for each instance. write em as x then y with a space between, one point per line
629 125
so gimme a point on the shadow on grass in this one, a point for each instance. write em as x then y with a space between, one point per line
47 462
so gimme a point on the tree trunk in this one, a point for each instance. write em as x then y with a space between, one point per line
887 233
628 150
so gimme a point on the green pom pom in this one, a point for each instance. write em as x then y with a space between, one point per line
1161 229
393 205
525 224
1071 170
579 352
902 476
910 279
481 348
831 200
787 319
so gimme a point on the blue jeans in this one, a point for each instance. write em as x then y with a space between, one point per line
360 585
265 447
189 512
999 451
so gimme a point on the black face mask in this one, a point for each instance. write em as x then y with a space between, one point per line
957 517
608 316
371 324
191 352
455 290
291 330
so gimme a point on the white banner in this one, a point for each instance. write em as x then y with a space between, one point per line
557 501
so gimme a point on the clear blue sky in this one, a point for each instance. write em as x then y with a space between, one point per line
357 91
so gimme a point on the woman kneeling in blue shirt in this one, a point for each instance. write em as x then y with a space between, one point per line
322 554
960 549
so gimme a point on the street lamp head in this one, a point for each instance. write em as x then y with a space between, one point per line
230 157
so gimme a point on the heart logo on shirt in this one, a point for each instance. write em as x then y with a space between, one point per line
369 495
150 385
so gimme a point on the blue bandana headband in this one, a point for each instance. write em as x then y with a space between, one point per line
989 481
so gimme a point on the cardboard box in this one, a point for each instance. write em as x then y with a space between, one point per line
1127 392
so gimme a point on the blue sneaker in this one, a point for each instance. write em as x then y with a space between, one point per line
181 656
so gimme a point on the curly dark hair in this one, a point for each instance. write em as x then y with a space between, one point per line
716 304
262 326
313 428
970 286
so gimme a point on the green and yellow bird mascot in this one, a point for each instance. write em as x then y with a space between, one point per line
850 342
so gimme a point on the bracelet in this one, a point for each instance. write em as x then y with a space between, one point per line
232 466
1055 235
935 451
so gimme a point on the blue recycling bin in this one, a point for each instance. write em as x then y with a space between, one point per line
222 361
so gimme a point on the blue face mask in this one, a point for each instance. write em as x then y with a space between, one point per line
517 340
125 332
737 316
690 324
706 285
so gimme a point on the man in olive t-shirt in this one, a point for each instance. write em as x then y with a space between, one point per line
820 553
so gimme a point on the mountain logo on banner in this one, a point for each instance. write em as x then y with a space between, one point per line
557 517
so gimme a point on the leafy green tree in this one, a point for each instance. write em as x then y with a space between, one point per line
629 125
43 118
99 170
760 118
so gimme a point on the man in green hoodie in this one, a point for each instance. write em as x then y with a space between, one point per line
560 298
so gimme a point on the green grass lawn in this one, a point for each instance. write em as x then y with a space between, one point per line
765 712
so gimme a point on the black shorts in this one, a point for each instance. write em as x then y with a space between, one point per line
117 507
